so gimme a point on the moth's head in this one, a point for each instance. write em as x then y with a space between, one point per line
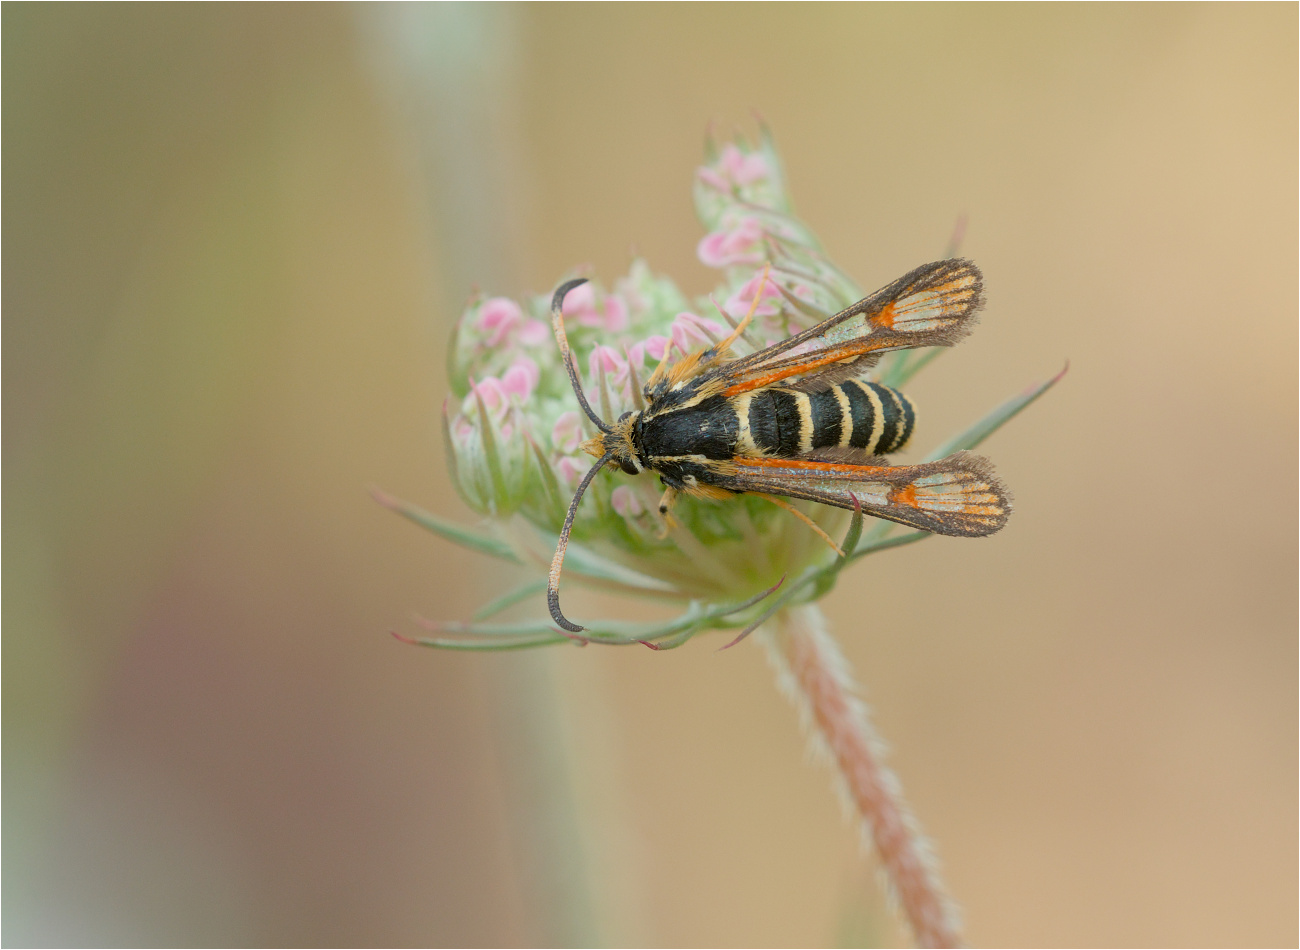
618 442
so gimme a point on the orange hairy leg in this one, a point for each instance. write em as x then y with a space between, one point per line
782 503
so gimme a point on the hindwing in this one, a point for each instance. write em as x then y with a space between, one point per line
957 496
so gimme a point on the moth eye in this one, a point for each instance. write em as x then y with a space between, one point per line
628 466
624 416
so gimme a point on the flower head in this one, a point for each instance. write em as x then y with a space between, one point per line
515 439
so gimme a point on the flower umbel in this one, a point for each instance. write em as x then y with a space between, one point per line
515 444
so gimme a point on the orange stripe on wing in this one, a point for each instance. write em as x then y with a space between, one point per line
810 465
857 348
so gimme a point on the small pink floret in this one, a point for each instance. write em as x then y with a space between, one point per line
571 469
625 502
656 346
689 332
735 167
567 432
615 314
769 304
580 306
607 360
741 243
534 333
742 168
521 378
497 318
495 399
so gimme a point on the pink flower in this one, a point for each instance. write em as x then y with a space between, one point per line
521 378
515 386
567 433
605 360
534 332
735 167
655 346
580 305
580 302
462 429
636 354
769 305
495 399
571 469
740 244
497 317
615 314
625 502
689 331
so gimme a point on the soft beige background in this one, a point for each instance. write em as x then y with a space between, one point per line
234 241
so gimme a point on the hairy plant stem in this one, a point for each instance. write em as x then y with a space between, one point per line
814 674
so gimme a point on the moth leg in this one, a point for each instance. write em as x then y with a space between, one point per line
782 503
717 354
725 345
665 510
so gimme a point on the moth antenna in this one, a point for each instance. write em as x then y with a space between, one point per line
553 579
557 325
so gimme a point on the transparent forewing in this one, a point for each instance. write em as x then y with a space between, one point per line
940 298
957 496
934 305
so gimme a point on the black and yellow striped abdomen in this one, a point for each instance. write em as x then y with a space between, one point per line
778 422
785 423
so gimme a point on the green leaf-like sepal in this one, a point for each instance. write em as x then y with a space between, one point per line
457 534
696 619
994 420
531 589
871 546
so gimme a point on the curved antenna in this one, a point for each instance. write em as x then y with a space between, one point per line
553 579
557 325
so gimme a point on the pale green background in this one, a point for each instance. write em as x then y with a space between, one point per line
235 238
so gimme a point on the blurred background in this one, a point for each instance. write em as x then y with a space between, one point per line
235 241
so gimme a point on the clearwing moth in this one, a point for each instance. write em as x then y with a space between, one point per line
795 420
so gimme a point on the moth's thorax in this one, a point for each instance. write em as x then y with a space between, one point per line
706 427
